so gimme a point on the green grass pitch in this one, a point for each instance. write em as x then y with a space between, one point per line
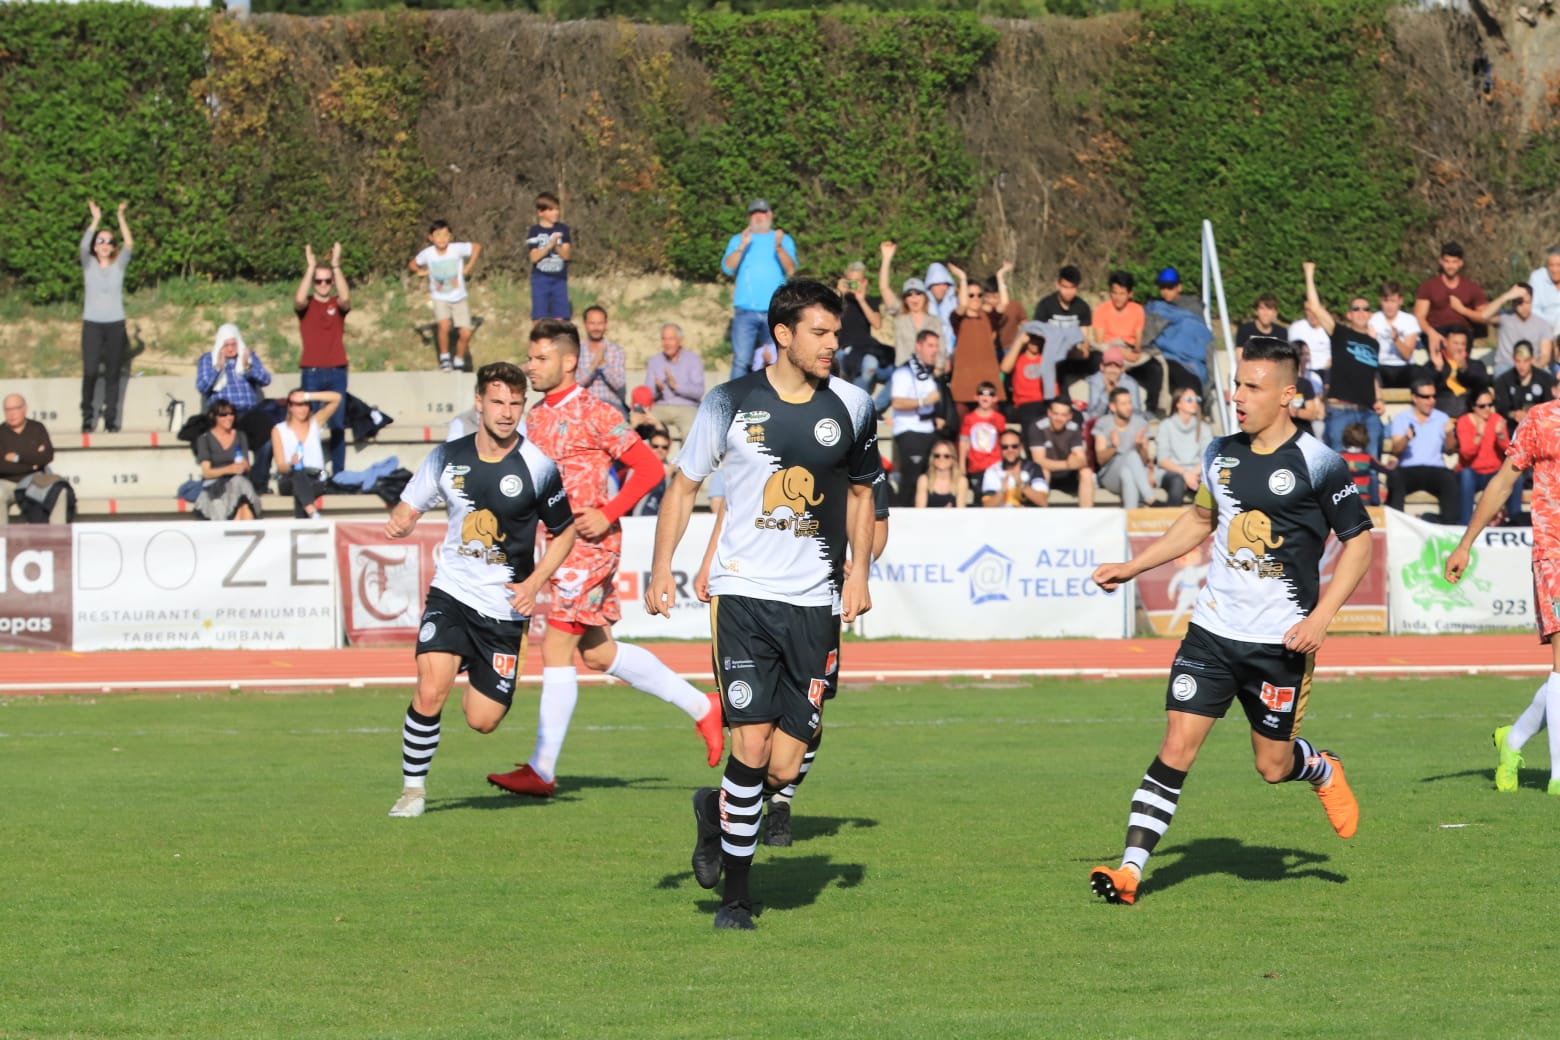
222 866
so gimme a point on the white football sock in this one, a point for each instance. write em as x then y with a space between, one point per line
645 672
1552 720
1530 721
560 692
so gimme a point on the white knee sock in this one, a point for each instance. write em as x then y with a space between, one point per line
1530 721
1552 720
645 672
560 692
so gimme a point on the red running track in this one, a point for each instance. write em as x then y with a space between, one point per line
882 660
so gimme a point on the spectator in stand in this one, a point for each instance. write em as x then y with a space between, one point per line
1397 336
25 479
910 311
1112 373
1015 481
1031 375
1182 440
550 248
1064 308
915 400
942 486
1448 300
447 264
1512 315
322 318
1545 282
863 359
1524 386
104 342
944 301
977 328
1481 449
1421 437
1306 407
1456 374
676 377
1056 445
761 257
641 410
232 372
982 428
1363 466
1120 323
603 364
1179 334
1121 448
223 453
1354 391
1265 322
300 456
1316 361
661 444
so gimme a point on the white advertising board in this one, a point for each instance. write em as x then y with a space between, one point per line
192 585
1496 591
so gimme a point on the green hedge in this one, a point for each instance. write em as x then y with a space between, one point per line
1264 118
841 123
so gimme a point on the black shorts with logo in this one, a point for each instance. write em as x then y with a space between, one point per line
1271 681
775 662
491 652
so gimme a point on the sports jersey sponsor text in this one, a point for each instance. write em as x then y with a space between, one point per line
504 665
1278 698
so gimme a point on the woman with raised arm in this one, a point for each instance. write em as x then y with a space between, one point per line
104 342
296 447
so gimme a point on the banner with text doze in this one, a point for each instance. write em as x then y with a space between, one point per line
35 587
233 586
998 574
1496 591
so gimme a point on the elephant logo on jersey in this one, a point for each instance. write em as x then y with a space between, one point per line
1252 531
481 526
791 487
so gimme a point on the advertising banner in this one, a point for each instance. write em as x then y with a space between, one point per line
235 586
1167 594
385 581
35 568
998 574
1496 591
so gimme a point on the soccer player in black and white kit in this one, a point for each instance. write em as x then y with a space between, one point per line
1270 494
497 487
799 450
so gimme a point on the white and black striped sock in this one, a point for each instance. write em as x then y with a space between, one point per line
1153 807
419 740
1309 764
741 793
786 793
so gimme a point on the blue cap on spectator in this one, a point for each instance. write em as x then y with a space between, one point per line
1168 276
913 285
759 206
1033 328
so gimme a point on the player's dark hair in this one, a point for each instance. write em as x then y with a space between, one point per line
438 225
501 372
1271 348
793 298
1070 274
563 334
596 307
1123 279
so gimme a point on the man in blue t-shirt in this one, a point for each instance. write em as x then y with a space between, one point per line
761 258
1421 438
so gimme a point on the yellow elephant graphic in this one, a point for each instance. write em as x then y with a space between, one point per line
1253 530
480 526
791 487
